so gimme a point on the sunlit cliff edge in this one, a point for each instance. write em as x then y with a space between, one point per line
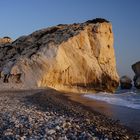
75 57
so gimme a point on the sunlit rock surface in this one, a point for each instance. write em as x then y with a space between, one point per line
5 40
75 57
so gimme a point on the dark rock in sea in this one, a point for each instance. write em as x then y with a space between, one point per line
125 82
136 79
136 68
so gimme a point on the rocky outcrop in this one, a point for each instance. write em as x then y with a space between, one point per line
125 82
136 69
5 40
65 57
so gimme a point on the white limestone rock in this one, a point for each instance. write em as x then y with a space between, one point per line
75 57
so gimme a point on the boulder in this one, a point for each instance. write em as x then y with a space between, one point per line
125 82
136 79
5 40
75 57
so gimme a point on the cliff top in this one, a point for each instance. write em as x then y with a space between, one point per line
42 38
97 20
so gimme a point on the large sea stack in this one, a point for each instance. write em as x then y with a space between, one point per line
65 57
136 69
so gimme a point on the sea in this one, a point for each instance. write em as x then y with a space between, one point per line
123 105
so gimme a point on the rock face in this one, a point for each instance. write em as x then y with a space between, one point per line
65 57
5 40
126 82
136 69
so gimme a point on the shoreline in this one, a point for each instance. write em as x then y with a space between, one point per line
104 124
49 114
121 113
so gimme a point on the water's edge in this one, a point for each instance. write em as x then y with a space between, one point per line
126 115
125 99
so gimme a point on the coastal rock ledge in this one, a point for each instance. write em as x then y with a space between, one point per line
75 57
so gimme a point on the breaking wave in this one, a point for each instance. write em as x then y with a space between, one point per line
126 99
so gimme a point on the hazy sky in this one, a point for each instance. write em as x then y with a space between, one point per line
21 17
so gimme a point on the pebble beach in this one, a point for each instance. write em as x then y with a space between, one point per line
50 115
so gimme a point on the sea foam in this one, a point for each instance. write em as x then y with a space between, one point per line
125 99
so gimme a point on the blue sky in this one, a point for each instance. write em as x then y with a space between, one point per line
21 17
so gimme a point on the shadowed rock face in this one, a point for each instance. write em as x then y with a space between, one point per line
136 69
65 57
